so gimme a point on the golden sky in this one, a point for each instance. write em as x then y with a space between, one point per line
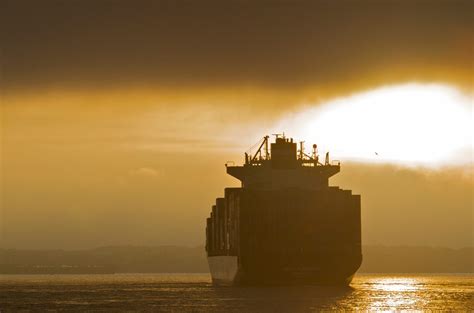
117 116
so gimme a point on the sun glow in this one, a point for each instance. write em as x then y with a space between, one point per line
411 124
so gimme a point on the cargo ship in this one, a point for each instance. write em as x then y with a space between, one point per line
285 224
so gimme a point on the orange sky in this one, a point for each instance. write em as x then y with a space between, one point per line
117 117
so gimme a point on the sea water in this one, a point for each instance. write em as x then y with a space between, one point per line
195 293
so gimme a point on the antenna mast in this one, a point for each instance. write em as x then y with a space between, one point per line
301 150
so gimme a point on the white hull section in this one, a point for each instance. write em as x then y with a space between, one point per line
223 269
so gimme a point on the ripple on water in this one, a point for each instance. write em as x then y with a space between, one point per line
195 293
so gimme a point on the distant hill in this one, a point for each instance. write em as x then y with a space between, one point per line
119 259
403 259
173 259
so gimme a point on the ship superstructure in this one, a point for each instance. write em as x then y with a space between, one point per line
285 224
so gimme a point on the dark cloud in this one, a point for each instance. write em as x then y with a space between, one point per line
212 43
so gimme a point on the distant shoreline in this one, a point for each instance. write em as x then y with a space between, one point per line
173 259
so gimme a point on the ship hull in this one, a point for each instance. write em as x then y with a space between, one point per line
226 271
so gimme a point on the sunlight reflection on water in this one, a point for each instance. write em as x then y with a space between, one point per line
195 293
402 293
397 284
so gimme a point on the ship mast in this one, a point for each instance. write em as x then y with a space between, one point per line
264 145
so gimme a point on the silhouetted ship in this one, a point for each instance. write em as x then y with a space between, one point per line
285 225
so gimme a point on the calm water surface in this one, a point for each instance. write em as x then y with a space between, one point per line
194 293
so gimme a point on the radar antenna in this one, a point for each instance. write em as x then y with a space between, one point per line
315 154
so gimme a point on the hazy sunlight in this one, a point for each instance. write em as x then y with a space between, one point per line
411 124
